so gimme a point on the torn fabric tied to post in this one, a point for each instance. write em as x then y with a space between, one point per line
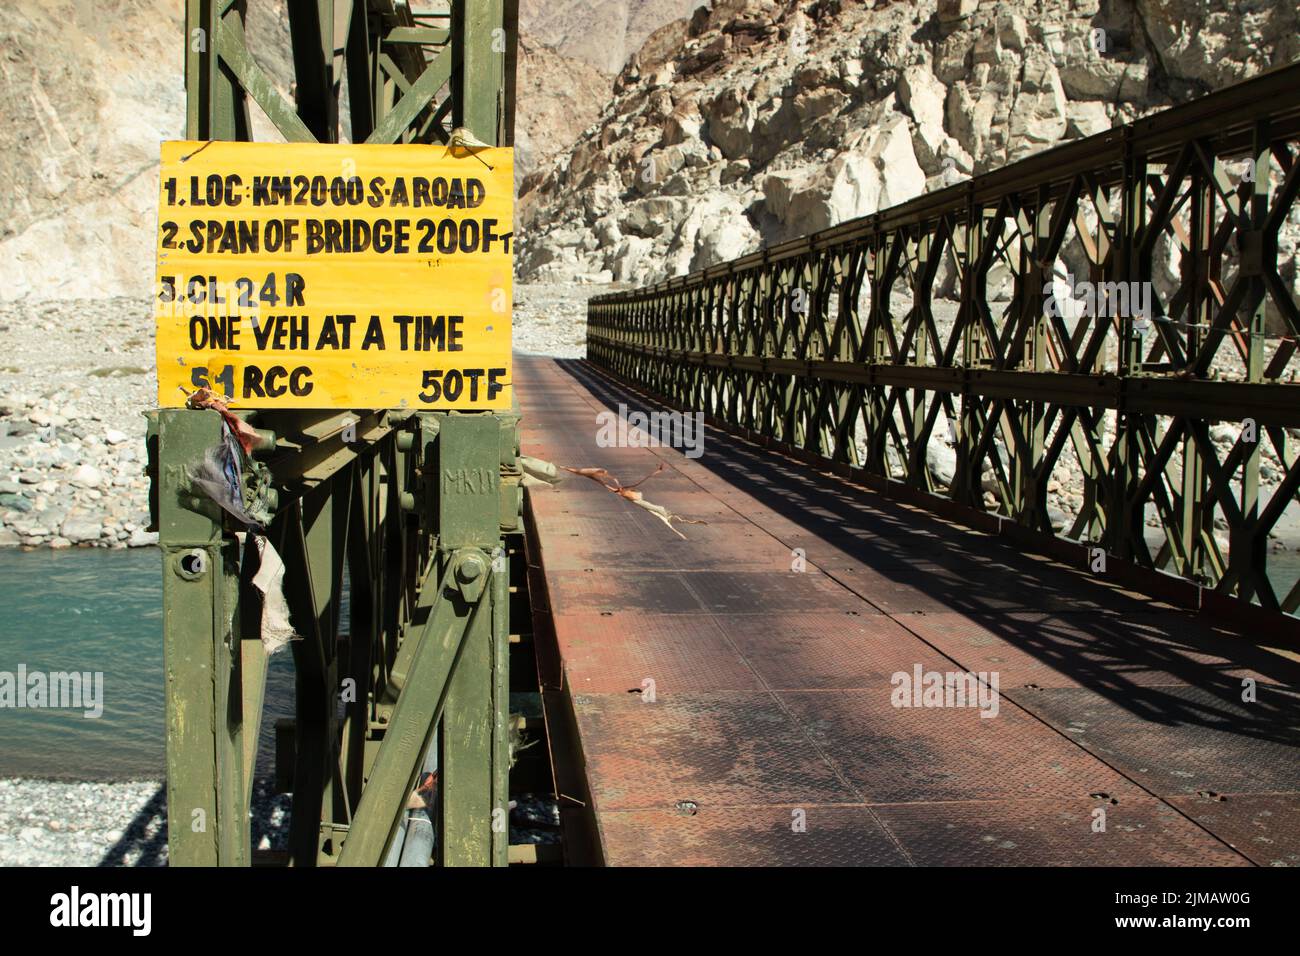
277 632
220 476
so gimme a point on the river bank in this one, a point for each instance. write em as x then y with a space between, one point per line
87 790
56 823
77 377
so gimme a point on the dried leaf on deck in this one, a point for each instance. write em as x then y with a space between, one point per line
629 493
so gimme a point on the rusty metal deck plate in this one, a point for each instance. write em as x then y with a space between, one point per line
1177 740
750 836
707 749
737 692
1264 827
1139 831
636 653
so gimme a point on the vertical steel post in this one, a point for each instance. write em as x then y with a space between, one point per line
469 510
206 758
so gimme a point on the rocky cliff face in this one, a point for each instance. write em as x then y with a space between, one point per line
602 33
557 98
758 120
569 54
86 93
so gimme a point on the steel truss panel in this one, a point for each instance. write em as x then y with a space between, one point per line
828 348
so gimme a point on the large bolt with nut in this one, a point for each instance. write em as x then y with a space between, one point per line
470 569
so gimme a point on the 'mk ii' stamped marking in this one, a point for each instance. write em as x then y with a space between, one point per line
469 481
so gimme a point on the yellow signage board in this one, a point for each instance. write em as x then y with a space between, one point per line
335 276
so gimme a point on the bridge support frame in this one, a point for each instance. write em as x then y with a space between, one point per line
412 680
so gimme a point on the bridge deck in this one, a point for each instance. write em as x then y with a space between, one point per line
772 737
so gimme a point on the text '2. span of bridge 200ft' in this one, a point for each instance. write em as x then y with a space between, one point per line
335 276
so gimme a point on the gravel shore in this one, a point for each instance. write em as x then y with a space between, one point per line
550 318
77 378
55 823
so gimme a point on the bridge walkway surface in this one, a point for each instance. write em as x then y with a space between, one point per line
732 709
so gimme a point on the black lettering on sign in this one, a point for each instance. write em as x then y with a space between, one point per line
272 382
440 333
457 383
272 190
374 335
214 332
280 332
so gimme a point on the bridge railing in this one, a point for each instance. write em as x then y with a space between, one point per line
1121 326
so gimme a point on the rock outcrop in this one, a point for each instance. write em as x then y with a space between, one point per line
602 33
773 118
557 98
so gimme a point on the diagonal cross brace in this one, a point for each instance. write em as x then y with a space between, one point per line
439 645
422 91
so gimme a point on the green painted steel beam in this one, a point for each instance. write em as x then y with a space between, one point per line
258 85
391 779
425 36
480 45
411 104
206 757
469 517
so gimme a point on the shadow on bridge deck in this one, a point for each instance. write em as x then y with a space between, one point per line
1122 732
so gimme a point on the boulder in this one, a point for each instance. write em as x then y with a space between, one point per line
1038 115
658 166
776 127
952 11
940 460
970 119
705 55
714 225
1012 29
878 171
80 526
726 235
140 538
87 476
12 502
891 151
922 95
1085 119
683 123
987 48
628 261
652 216
729 120
821 103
